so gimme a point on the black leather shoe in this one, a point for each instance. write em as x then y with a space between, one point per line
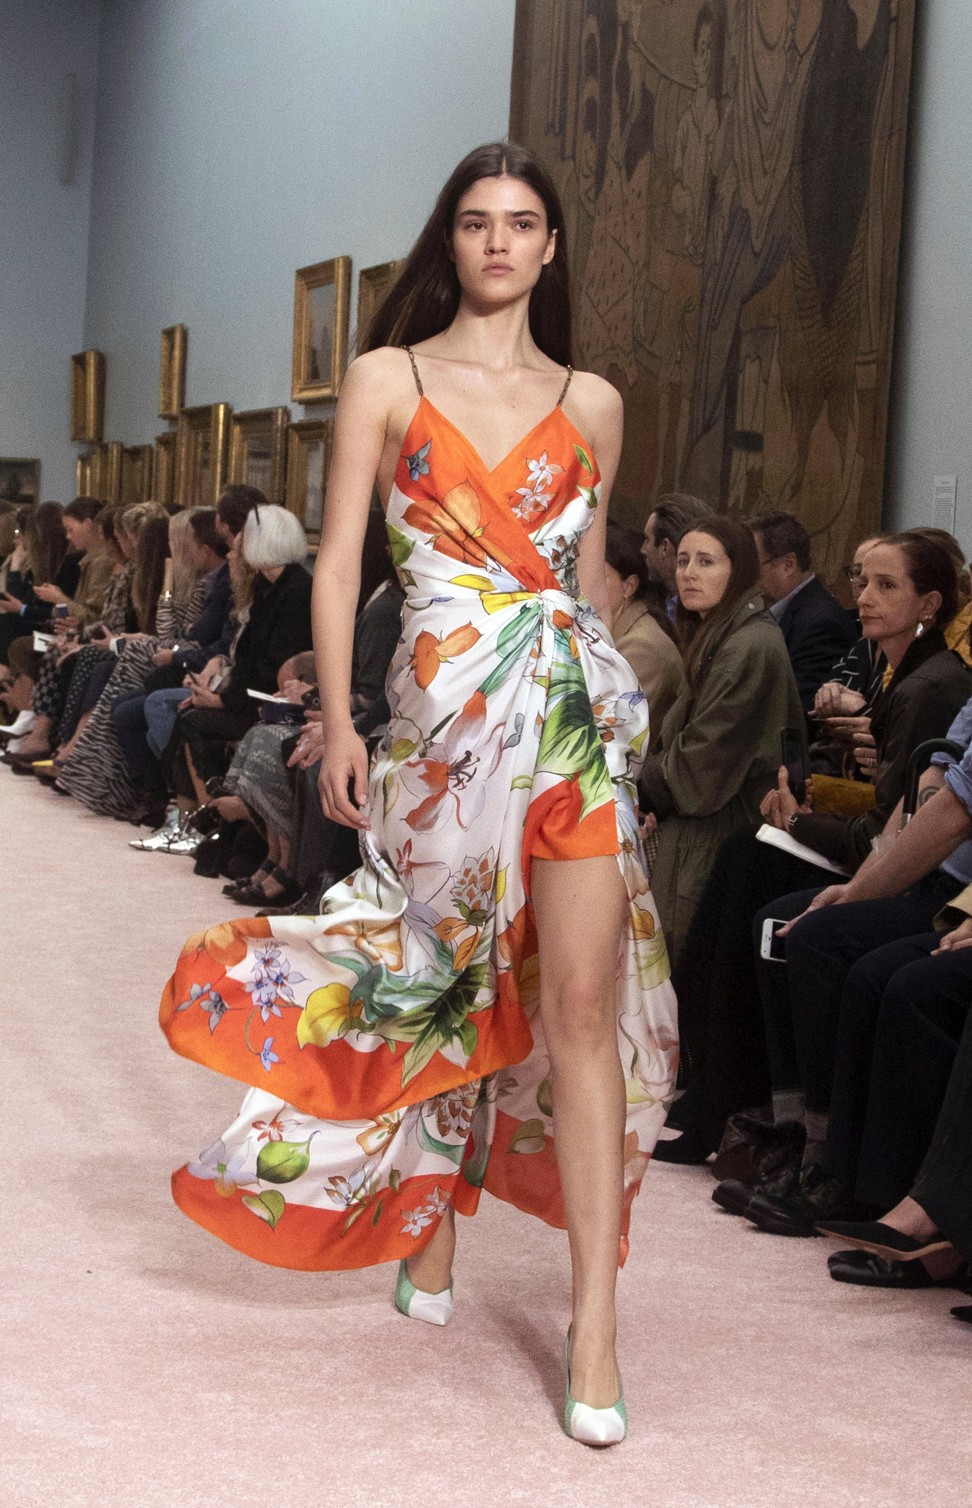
686 1149
733 1195
815 1200
963 1312
872 1271
306 904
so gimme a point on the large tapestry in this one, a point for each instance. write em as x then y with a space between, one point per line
732 177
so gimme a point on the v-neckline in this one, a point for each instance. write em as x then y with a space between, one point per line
490 471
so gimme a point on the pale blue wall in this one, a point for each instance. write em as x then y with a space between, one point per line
240 139
930 431
43 228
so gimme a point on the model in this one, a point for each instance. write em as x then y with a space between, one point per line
485 1002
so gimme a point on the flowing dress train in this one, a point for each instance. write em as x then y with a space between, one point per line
392 1043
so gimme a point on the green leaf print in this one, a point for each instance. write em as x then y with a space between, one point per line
589 496
283 1161
269 1205
430 1143
583 457
511 644
401 545
570 744
529 1138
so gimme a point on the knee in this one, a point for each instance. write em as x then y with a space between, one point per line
579 1017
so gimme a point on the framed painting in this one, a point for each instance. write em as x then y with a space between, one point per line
732 176
87 395
308 462
19 480
136 473
258 450
321 299
164 467
202 447
172 371
106 467
82 475
373 286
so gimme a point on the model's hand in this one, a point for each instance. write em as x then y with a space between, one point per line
343 780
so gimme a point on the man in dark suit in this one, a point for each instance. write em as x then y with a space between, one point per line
817 630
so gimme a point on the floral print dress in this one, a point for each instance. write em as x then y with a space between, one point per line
392 1044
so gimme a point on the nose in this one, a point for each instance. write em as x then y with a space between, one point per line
496 240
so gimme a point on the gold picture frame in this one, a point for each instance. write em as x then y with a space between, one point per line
164 467
82 475
202 447
172 371
373 285
19 480
106 469
308 462
88 396
321 306
136 473
258 450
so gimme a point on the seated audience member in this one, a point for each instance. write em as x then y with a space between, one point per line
866 953
816 629
41 554
278 627
639 628
927 1234
666 524
720 742
958 629
94 770
909 590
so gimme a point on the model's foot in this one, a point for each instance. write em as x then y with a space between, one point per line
431 1268
595 1378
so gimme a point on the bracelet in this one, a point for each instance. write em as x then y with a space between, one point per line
790 821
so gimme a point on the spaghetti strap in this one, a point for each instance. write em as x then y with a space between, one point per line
418 380
563 391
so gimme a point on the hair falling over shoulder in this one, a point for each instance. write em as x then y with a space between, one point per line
424 299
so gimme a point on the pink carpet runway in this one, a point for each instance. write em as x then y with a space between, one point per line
145 1365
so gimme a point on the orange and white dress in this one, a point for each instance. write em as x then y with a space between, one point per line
391 1044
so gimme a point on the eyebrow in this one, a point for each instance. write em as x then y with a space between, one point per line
515 214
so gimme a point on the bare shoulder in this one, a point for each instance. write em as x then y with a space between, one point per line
380 376
597 410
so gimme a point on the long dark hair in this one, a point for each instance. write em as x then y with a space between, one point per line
151 553
46 542
622 551
424 299
930 568
701 637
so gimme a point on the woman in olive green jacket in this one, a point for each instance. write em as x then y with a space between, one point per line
720 742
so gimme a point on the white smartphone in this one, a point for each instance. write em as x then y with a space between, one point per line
772 946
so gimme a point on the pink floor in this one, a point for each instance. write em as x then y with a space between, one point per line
146 1365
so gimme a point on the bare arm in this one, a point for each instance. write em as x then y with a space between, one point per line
359 436
604 426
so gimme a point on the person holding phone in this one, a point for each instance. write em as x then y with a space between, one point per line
720 742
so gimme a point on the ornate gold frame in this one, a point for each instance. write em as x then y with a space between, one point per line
301 439
88 396
106 469
373 285
164 454
308 386
258 450
82 475
198 485
172 371
136 473
30 467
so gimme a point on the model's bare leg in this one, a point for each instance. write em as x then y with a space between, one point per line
580 907
431 1268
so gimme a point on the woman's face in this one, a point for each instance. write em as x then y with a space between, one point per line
856 566
888 604
702 571
620 589
500 240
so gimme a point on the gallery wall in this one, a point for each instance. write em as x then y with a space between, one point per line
930 431
238 140
44 223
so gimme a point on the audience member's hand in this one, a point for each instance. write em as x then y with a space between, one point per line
961 937
343 780
777 807
49 593
307 750
9 604
835 700
649 824
293 690
162 657
847 729
203 697
832 896
864 754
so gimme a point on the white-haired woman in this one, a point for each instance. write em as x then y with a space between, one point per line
278 627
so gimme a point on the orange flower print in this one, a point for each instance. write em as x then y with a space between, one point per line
454 1110
449 777
225 943
431 651
455 523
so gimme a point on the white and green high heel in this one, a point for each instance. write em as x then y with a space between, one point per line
415 1303
589 1425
